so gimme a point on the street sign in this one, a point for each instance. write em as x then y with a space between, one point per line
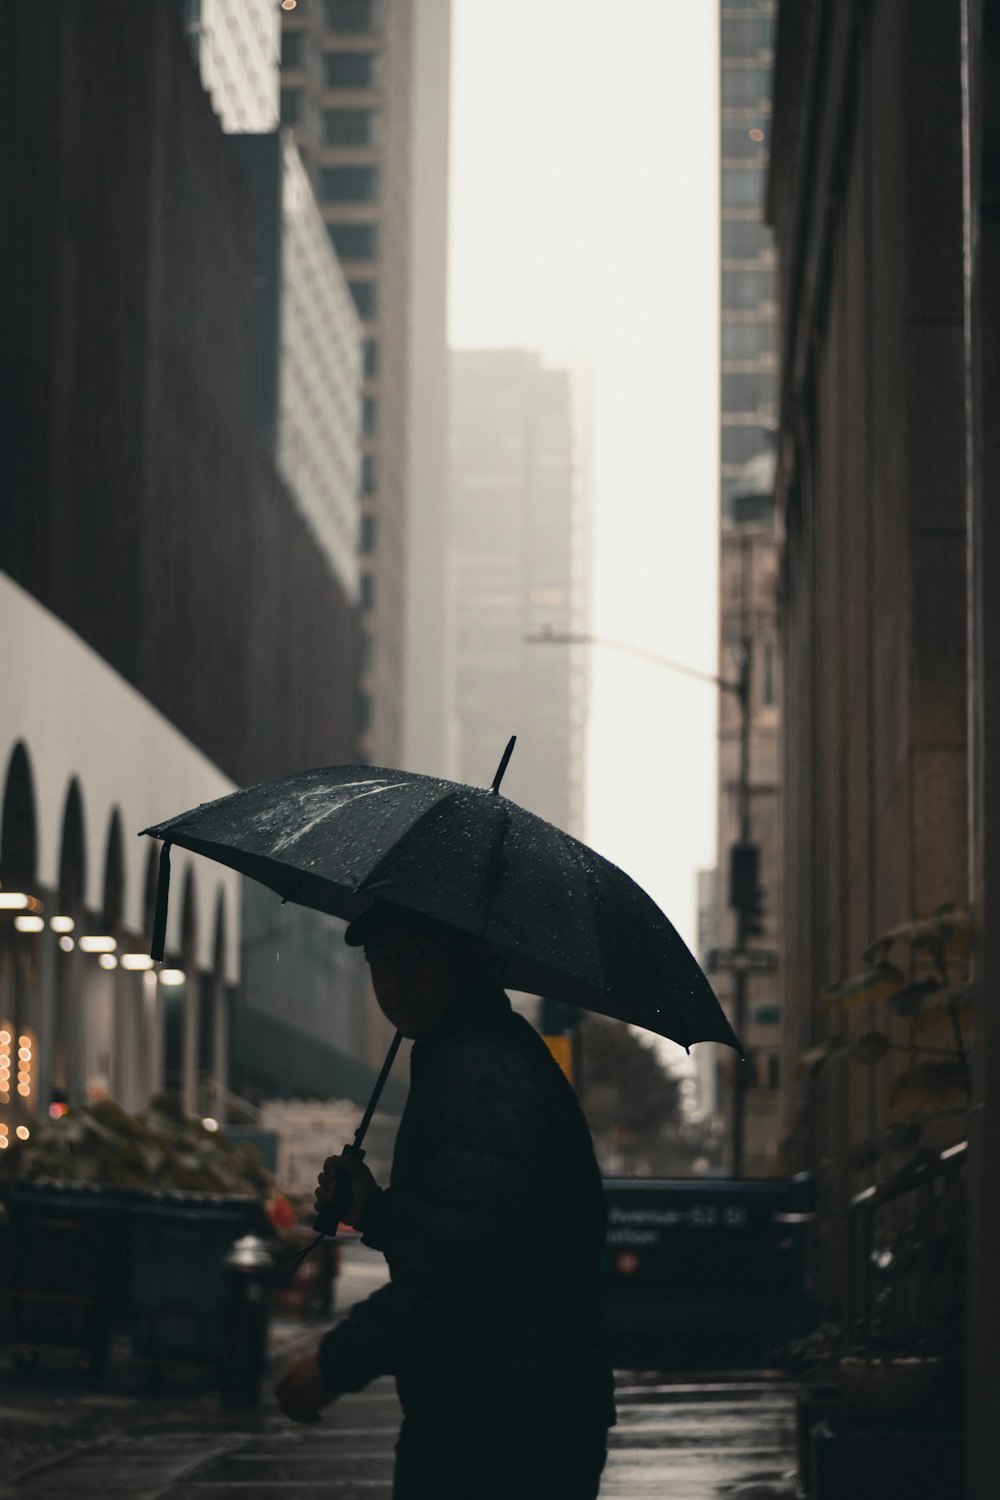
745 960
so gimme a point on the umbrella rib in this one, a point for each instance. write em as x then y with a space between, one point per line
579 854
373 874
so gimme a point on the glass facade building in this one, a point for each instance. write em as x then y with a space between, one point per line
748 295
748 560
364 89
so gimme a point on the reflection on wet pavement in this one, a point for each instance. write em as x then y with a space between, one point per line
689 1442
684 1439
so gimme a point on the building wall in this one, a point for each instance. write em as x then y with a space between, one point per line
236 43
513 521
866 198
153 520
145 517
749 331
347 72
749 544
350 93
981 135
90 1018
429 719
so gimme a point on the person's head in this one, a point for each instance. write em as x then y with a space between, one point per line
419 967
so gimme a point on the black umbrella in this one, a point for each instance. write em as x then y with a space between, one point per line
572 925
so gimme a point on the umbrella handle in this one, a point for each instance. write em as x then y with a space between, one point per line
330 1215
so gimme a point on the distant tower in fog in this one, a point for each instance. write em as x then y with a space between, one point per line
517 565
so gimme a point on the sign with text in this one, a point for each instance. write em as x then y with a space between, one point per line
741 960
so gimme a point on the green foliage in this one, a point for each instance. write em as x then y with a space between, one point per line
625 1085
159 1149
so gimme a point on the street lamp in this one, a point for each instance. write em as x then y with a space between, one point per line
744 891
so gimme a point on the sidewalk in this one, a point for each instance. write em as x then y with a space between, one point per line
689 1441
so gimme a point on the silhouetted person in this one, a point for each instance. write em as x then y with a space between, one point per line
493 1228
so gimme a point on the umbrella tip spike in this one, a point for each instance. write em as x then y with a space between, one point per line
501 768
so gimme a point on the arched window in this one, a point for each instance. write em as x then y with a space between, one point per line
73 852
114 876
18 829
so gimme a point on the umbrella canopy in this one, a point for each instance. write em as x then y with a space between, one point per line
572 925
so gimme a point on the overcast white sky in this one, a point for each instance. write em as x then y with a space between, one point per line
584 225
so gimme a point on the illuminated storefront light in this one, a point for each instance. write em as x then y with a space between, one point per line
5 1059
25 1047
136 961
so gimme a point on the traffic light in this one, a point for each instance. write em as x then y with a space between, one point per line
744 868
559 1025
746 894
751 916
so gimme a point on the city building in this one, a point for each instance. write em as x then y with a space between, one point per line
706 1101
236 45
748 571
175 628
883 189
310 376
364 88
517 568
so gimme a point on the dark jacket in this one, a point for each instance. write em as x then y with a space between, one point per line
493 1227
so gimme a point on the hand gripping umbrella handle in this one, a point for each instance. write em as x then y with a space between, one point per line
329 1217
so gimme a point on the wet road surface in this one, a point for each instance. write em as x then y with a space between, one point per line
686 1440
695 1442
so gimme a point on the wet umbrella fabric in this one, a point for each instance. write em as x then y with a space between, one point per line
572 925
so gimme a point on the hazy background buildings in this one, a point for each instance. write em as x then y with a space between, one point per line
338 310
517 566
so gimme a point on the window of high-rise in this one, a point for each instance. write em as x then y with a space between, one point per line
745 289
362 16
354 241
348 184
745 86
350 127
365 294
352 70
747 340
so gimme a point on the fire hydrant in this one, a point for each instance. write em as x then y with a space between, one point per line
245 1309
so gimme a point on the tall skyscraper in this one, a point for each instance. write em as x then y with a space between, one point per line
177 625
516 568
749 557
236 47
364 88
